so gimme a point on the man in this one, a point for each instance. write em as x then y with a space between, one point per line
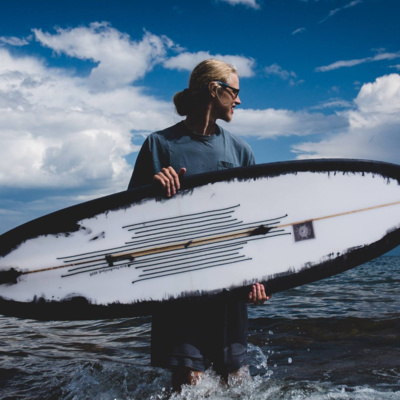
187 335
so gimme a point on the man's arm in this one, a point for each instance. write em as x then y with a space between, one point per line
143 172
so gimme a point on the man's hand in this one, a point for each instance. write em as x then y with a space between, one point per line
257 295
169 180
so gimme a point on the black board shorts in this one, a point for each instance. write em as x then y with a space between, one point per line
198 333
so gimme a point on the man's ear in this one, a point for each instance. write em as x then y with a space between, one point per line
213 87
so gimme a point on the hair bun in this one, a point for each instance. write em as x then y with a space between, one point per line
183 102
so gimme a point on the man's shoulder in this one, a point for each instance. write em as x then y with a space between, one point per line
236 140
172 132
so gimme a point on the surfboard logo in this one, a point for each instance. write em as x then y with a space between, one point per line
303 231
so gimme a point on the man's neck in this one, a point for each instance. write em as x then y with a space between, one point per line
203 125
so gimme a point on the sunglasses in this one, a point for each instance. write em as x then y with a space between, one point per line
235 92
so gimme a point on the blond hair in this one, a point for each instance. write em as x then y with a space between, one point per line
187 101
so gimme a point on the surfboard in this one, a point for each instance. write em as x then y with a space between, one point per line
283 224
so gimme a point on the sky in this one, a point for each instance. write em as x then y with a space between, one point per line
82 83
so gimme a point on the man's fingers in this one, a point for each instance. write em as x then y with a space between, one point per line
258 295
182 172
164 182
172 178
263 296
169 180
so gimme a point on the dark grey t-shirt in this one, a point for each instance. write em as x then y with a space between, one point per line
179 147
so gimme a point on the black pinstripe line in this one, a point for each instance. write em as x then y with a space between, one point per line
186 264
176 236
190 236
219 227
191 227
222 255
192 270
168 219
184 257
155 258
178 224
194 265
176 260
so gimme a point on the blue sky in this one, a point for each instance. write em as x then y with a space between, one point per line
82 83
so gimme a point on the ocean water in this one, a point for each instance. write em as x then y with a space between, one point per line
335 339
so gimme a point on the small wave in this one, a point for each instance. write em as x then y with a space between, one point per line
95 381
210 387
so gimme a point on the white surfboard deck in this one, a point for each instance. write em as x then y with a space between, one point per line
278 224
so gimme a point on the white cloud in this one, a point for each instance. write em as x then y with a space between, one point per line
352 63
277 70
187 61
55 131
248 3
272 123
345 7
373 129
335 103
299 30
14 41
119 60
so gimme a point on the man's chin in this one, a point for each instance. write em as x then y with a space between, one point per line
227 118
